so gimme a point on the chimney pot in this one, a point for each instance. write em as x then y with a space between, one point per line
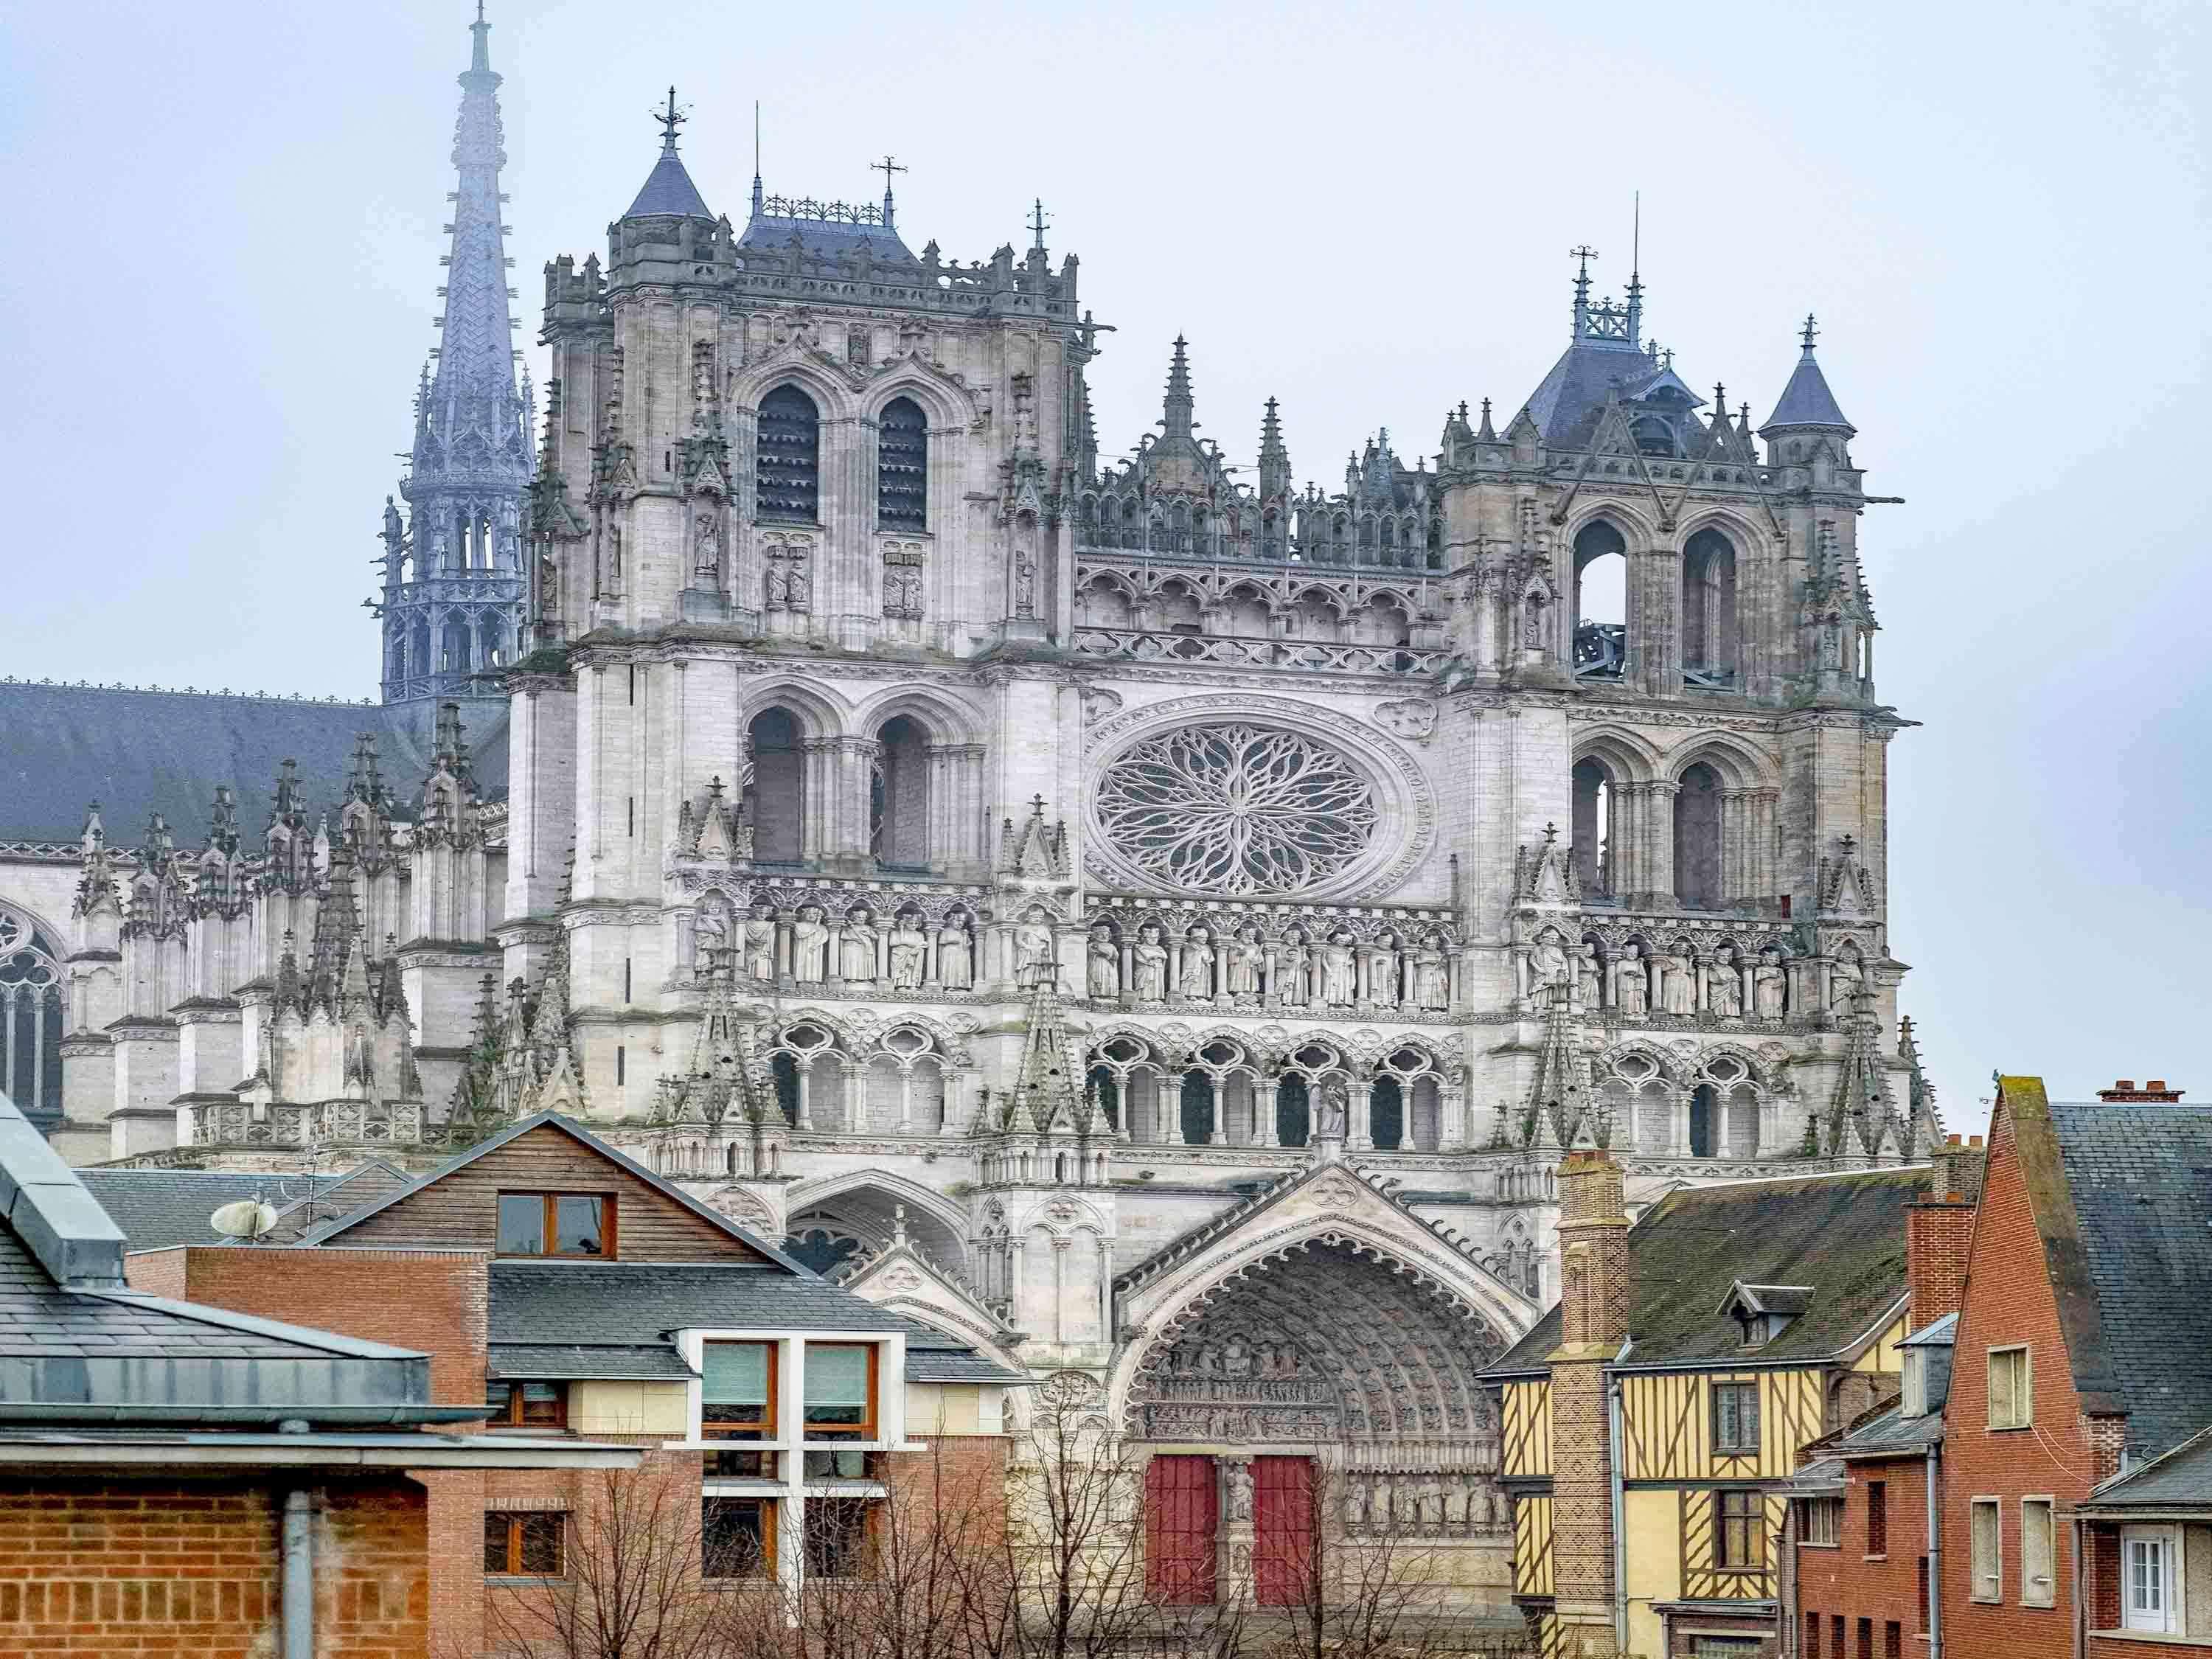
1973 1140
1954 1140
2125 1083
2156 1085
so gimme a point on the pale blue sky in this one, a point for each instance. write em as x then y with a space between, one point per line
225 232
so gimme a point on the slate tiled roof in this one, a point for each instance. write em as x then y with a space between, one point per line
2139 1178
1565 404
574 1361
137 752
158 1208
2181 1477
668 188
1807 401
1844 1234
1892 1434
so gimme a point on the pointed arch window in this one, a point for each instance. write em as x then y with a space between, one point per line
30 1019
787 474
903 467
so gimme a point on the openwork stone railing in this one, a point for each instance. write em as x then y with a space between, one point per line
1233 652
239 1123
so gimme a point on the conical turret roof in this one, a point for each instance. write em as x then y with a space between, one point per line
668 187
1807 401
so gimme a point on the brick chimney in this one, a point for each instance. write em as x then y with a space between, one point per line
1595 1274
1937 1231
2126 1091
1958 1168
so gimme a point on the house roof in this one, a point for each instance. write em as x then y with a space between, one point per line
2178 1477
574 1361
141 751
1893 1435
576 1132
1842 1236
157 1209
2122 1197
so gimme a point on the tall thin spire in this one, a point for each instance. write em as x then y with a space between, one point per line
757 172
472 454
1177 406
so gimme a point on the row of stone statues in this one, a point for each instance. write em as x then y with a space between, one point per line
1192 967
813 949
1728 984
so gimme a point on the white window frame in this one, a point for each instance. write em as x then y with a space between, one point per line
2023 1395
2030 1595
1913 1388
1995 1577
2166 1619
1832 1508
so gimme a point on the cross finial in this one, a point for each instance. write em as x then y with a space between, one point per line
669 119
1810 331
1036 806
1585 253
1551 834
1038 221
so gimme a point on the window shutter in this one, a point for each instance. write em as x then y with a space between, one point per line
735 1374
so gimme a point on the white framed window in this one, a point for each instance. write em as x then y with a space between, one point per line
2150 1573
2039 1580
2011 1404
1824 1520
1986 1540
1915 1402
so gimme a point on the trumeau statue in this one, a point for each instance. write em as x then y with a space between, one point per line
1104 958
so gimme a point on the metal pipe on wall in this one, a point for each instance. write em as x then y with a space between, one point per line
298 1574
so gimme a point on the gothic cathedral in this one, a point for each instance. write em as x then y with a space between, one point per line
1161 927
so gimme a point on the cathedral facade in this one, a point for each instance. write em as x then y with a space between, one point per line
1160 926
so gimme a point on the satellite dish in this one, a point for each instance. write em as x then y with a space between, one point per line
248 1218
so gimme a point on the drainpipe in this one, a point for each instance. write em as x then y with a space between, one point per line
2081 1593
1612 1461
299 1575
1934 1465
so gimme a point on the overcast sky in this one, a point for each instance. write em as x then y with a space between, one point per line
225 231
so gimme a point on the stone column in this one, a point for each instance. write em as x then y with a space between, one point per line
1237 1536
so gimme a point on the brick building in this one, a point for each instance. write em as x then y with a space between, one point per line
2075 1496
562 1289
178 1478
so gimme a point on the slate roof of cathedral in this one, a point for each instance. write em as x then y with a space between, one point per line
138 752
668 188
2122 1195
1807 401
1843 1235
822 237
1566 404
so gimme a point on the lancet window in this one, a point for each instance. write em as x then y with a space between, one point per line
1601 602
1709 633
30 1017
787 474
903 467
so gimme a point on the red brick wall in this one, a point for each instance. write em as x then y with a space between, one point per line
2009 1300
1846 1579
436 1302
1936 1238
177 1568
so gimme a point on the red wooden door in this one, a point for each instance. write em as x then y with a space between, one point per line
1284 1521
1182 1512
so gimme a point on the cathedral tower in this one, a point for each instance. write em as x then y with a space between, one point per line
455 592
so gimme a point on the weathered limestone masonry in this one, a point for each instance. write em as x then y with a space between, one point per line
1161 927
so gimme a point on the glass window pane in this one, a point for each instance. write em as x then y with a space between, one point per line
521 1223
494 1541
733 1537
577 1222
500 1398
541 1545
736 1373
541 1402
836 1383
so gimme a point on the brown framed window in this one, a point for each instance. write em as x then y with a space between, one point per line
1877 1518
1735 1419
528 1405
737 1537
1739 1532
557 1223
841 1389
524 1544
841 1537
738 1391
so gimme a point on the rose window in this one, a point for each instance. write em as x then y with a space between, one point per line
1235 809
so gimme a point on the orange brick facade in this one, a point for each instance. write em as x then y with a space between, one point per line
1851 1592
2008 1301
191 1568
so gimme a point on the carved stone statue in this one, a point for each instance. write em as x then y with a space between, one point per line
1291 961
776 584
809 947
1547 965
1432 978
799 586
909 952
711 932
1024 586
1677 984
1241 961
1240 1491
956 957
1149 960
1338 986
1355 1504
1195 982
1589 976
1034 958
1724 987
1385 975
1630 986
760 943
707 546
1105 965
1770 985
1844 978
856 952
1335 1110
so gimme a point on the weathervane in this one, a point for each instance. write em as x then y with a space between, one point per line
1038 221
669 119
887 166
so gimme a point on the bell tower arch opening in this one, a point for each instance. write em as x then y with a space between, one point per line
1601 602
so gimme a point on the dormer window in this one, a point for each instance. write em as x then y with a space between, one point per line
1763 1312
